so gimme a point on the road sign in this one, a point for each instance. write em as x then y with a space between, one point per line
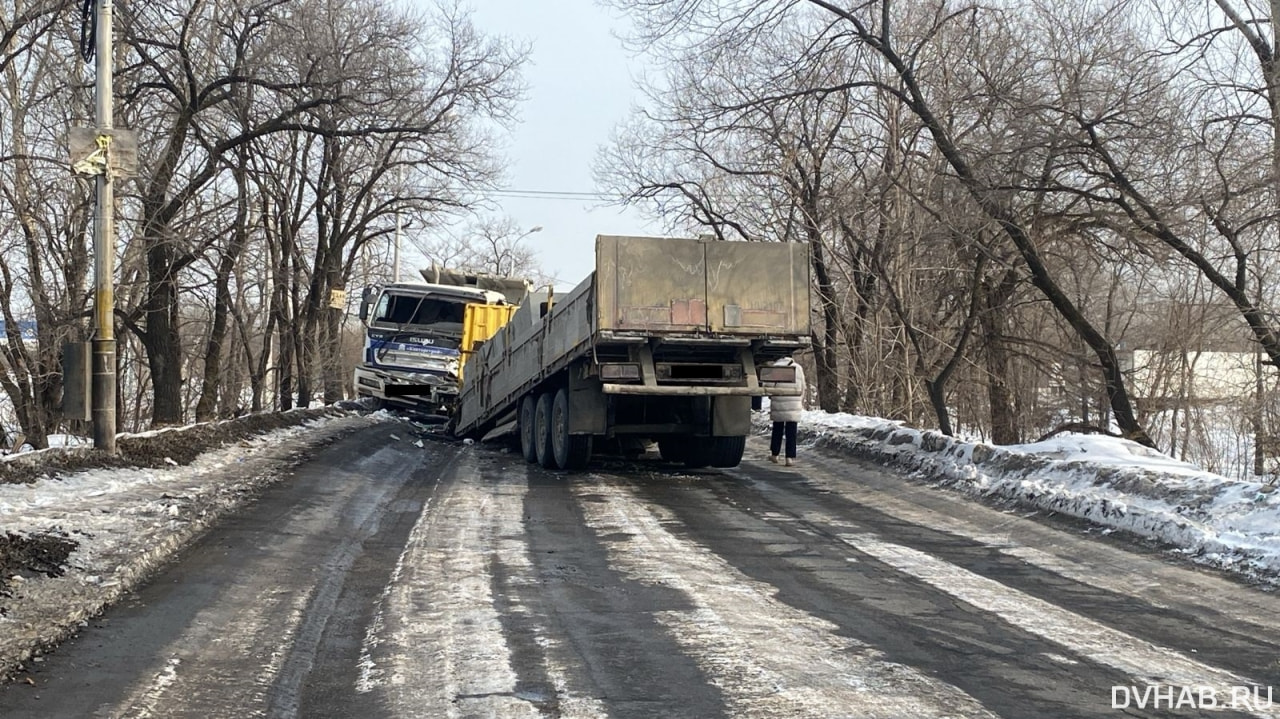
95 151
338 299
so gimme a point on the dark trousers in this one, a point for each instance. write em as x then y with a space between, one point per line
775 441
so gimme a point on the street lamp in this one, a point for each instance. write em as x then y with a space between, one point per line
505 249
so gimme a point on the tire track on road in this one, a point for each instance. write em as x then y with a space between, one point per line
441 650
1012 671
770 659
446 644
1147 664
1235 632
597 627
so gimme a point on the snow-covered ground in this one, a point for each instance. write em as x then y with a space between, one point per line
1113 483
126 522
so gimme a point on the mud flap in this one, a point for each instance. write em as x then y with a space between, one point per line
588 406
730 416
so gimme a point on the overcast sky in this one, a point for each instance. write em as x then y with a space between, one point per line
580 85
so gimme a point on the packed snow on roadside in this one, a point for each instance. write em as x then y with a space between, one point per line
122 524
1111 482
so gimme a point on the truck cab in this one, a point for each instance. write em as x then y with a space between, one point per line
412 340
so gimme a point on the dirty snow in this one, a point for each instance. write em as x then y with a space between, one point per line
1113 483
125 523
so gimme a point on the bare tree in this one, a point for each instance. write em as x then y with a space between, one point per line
909 40
42 226
492 244
360 77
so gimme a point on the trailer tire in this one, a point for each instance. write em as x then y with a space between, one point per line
673 449
699 452
727 451
542 432
528 428
572 451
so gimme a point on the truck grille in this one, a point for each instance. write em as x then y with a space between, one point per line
416 360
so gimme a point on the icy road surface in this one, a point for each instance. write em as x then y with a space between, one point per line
384 579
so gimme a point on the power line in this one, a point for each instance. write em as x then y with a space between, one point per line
88 29
549 194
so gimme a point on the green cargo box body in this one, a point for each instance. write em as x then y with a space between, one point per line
684 296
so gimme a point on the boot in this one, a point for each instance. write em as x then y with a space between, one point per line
790 462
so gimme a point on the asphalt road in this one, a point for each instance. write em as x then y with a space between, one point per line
385 580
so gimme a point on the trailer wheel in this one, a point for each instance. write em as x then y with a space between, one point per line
673 449
528 428
572 451
699 452
727 451
542 432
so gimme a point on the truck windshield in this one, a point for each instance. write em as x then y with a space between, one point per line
408 310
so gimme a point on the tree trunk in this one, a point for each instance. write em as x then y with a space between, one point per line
283 308
855 332
937 391
206 407
1004 419
333 375
306 351
162 339
827 380
284 393
1004 422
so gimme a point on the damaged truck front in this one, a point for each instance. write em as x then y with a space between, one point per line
415 335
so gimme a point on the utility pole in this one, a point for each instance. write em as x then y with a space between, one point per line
104 251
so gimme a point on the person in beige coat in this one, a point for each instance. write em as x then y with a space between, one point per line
784 412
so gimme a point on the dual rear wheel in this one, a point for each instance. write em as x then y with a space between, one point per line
528 429
697 452
545 439
544 432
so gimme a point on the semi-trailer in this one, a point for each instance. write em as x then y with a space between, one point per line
665 342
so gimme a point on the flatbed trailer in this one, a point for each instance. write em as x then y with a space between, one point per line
666 341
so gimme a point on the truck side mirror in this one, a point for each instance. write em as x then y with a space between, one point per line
366 301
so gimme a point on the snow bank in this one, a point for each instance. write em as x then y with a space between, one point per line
1111 482
128 520
169 446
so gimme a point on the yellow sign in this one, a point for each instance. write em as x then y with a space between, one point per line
94 152
338 299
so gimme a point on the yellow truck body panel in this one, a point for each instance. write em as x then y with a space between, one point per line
479 323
